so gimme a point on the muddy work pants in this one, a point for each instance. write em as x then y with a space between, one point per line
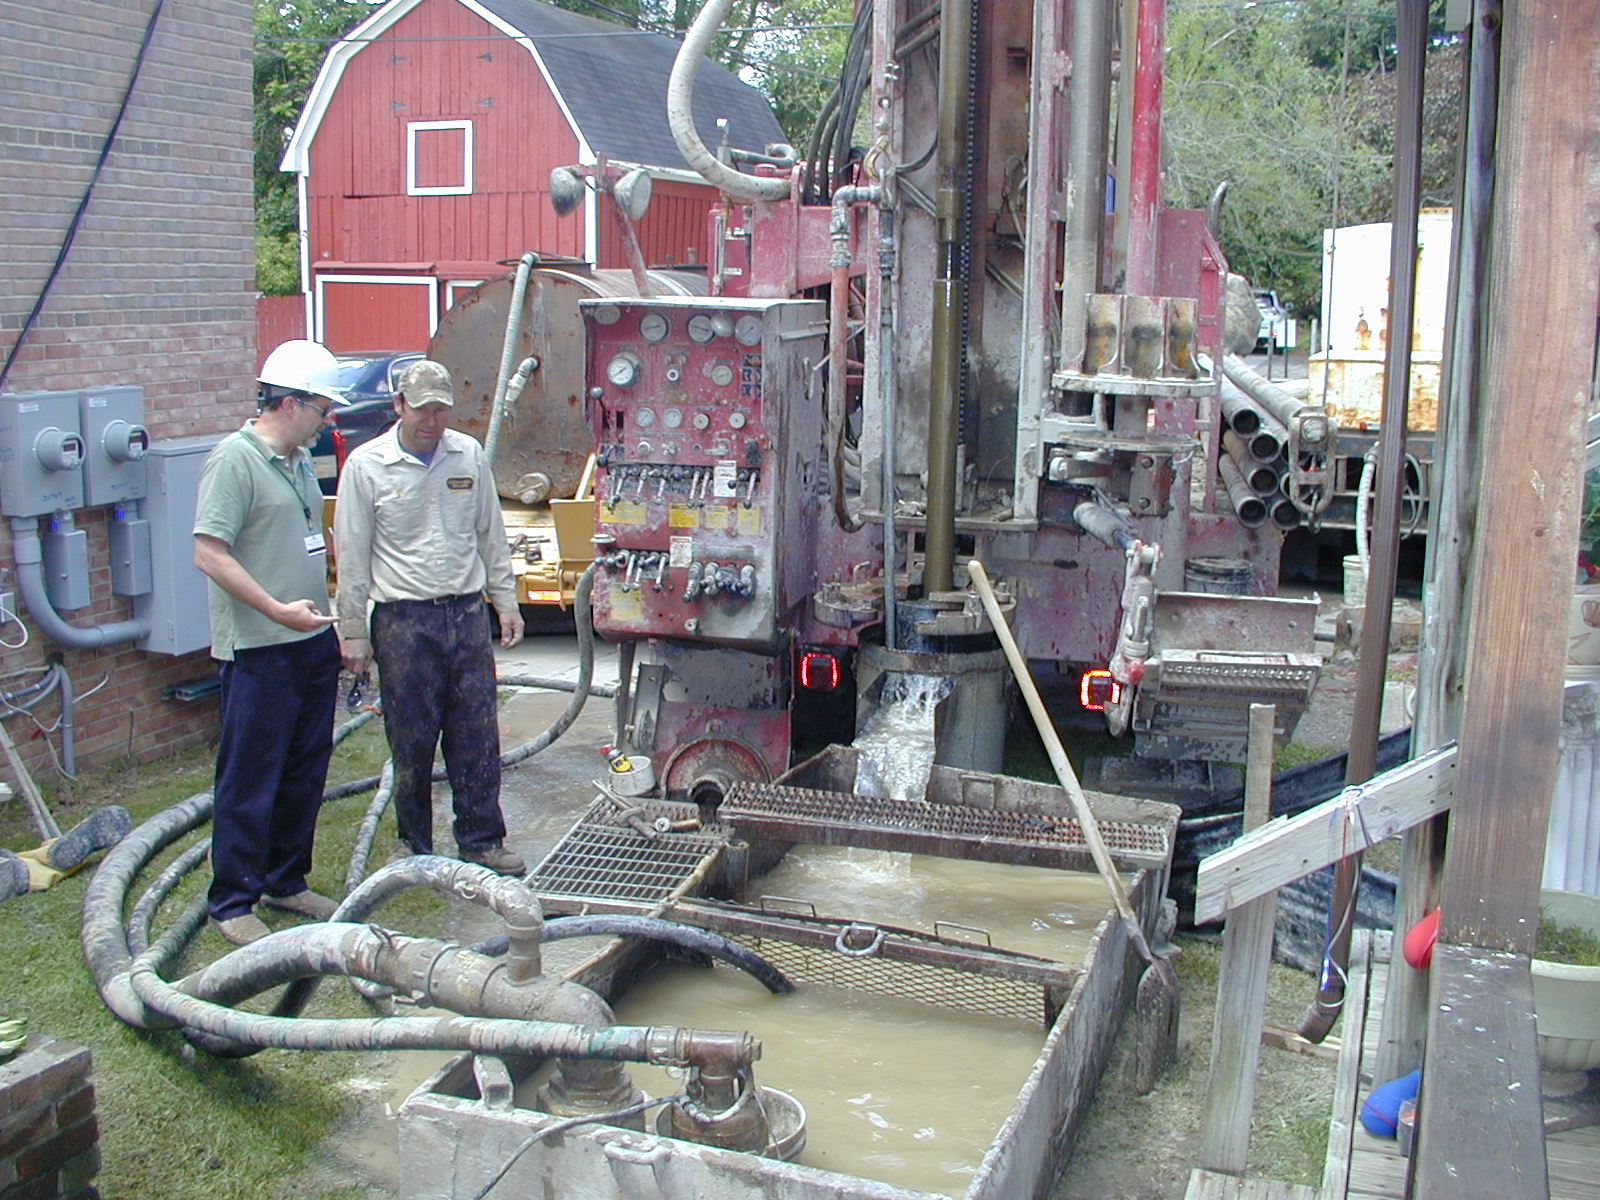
272 763
436 677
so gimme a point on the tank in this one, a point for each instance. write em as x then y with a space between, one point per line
544 439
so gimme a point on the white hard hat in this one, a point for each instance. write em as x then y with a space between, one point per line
303 366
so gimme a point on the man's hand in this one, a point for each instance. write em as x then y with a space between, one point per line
510 628
303 616
357 655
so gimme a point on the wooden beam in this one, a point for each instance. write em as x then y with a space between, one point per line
1484 1123
1287 848
1479 1115
1241 983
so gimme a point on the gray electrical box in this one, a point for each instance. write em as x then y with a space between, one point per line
115 443
41 453
65 550
176 606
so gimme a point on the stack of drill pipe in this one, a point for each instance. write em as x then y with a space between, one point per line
1265 435
1261 474
1250 508
1266 394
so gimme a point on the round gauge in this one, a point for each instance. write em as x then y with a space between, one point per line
701 420
653 326
606 314
701 329
737 420
747 330
672 417
644 418
721 374
623 370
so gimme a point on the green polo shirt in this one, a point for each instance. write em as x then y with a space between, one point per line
264 506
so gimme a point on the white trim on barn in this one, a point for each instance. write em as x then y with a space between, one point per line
428 281
464 188
454 288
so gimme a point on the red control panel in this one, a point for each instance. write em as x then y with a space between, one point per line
708 422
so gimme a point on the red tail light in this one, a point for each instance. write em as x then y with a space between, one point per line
819 670
1098 688
340 450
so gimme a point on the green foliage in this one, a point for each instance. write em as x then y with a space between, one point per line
1258 95
1566 944
277 263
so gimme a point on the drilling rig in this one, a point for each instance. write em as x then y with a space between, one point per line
961 324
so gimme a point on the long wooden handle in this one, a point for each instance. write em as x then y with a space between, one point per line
1058 758
30 792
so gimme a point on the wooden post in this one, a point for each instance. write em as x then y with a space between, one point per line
1242 982
1537 355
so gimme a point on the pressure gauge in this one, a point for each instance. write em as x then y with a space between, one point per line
644 418
653 326
701 420
737 420
624 369
672 417
606 314
747 330
721 374
701 328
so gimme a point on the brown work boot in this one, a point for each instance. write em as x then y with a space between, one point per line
304 903
241 930
497 859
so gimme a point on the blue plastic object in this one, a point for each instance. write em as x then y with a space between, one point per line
1380 1114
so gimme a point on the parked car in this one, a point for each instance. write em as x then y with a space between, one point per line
1277 330
368 378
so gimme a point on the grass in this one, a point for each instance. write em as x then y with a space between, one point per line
1566 944
175 1123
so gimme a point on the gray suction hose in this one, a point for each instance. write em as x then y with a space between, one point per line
688 937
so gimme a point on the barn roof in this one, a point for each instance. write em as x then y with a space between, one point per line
610 80
614 83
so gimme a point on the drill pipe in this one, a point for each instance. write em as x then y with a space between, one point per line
1249 507
1259 475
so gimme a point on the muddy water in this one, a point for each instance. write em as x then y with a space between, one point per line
897 1091
1032 909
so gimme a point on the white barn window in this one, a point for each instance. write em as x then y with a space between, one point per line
439 158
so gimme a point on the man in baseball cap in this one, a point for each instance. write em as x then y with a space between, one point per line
419 535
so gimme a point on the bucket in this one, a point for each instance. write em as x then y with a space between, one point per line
1228 576
1355 583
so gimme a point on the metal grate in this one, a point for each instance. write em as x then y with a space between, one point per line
598 860
751 802
963 991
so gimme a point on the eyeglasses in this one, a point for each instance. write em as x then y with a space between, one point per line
322 410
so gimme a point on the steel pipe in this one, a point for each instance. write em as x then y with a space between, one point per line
1247 506
1259 475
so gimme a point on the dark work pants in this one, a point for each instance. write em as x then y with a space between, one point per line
436 676
272 763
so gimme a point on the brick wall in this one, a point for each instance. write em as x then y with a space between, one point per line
49 1143
157 291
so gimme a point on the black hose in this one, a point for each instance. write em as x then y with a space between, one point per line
687 937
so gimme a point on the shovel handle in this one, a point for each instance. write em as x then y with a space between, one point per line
1058 759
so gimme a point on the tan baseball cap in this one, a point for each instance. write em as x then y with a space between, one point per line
426 382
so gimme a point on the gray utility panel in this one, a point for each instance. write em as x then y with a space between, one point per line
176 605
115 443
41 453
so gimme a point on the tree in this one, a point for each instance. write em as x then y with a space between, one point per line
1258 95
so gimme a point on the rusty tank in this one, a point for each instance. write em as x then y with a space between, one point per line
544 440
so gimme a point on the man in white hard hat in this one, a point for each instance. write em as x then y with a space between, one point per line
258 538
419 535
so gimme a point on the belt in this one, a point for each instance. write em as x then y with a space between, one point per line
466 598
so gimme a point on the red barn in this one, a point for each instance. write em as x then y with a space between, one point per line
426 145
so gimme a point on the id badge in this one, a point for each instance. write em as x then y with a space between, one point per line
316 544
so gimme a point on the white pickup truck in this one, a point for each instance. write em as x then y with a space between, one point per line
1277 330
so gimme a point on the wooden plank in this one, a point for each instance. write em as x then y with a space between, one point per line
1337 1167
1289 848
1241 984
1487 1124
